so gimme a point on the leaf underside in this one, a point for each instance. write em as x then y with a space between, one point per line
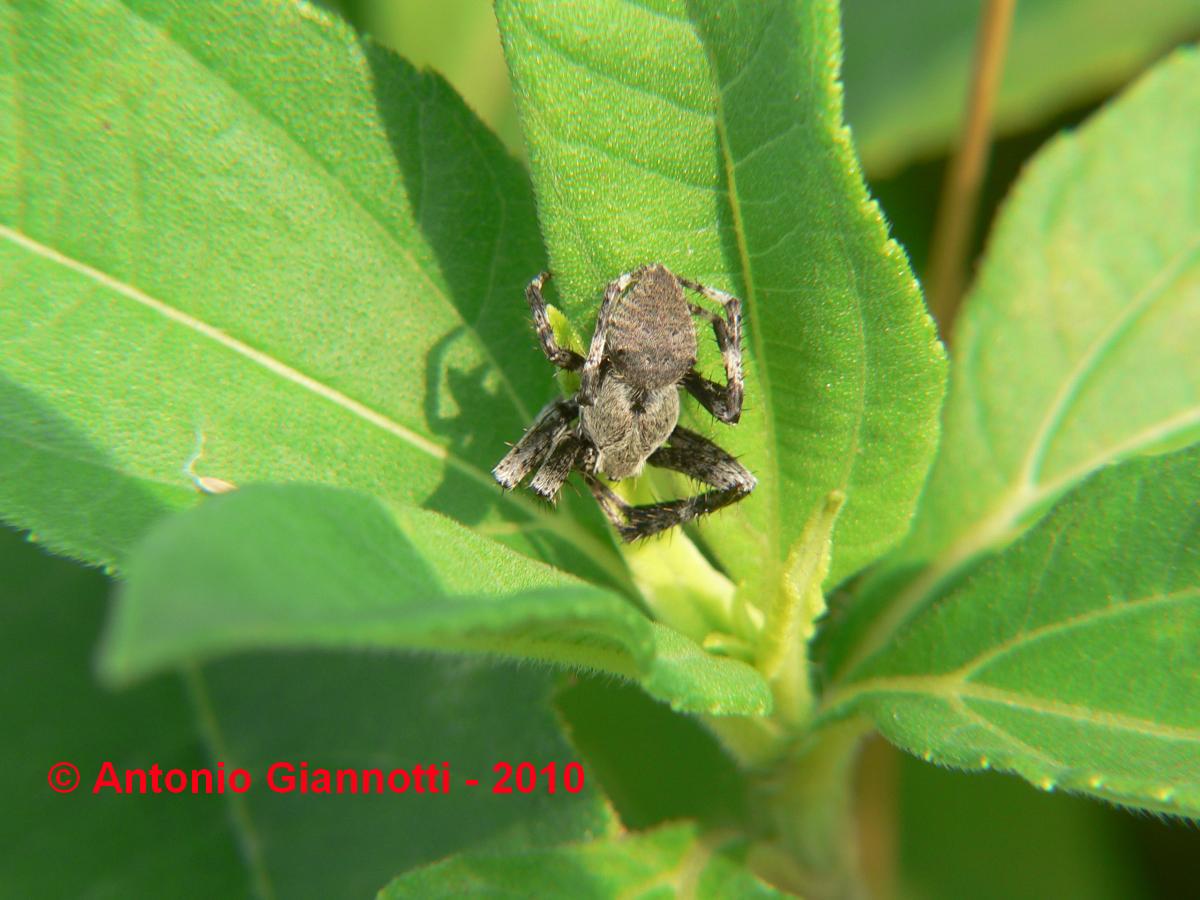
1072 657
1076 348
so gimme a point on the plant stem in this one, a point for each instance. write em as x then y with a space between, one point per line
808 797
960 191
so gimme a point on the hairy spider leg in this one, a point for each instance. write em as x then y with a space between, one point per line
723 401
537 443
568 450
589 378
563 357
695 456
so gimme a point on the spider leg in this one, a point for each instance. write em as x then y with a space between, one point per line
589 378
562 357
538 441
723 401
694 456
558 465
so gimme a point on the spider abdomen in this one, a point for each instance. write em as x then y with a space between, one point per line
651 340
642 354
627 425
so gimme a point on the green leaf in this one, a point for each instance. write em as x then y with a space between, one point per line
308 566
908 64
669 862
1076 348
692 680
1072 657
708 136
330 710
240 223
119 846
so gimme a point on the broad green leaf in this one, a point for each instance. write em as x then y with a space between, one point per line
331 710
237 222
81 844
908 64
709 137
308 566
1076 347
1072 657
669 862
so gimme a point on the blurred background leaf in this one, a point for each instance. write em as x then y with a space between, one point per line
333 710
948 835
907 65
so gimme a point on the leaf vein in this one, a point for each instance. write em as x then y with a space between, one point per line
1019 641
356 202
1087 364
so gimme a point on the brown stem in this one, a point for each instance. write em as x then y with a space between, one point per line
964 178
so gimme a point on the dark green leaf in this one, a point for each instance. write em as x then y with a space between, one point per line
654 765
329 710
82 844
371 711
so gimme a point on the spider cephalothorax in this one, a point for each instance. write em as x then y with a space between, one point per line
627 407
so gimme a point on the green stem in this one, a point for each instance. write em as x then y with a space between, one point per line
808 799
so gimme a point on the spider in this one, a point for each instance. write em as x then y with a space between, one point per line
627 406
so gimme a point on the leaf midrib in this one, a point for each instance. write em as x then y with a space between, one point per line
774 526
1024 493
959 684
331 179
953 689
564 526
242 823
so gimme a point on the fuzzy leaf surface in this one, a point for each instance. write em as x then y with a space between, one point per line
300 566
1076 347
1073 656
241 222
708 136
